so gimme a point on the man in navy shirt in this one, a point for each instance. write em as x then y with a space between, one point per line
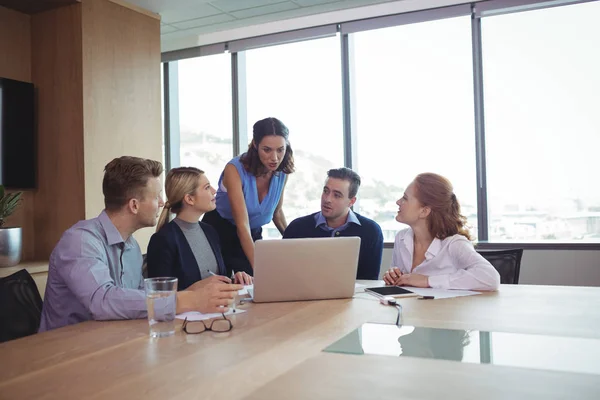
336 219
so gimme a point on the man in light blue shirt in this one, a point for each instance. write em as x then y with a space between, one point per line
95 270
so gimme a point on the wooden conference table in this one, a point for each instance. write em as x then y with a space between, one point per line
275 352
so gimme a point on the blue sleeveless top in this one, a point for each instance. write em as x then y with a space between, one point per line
259 214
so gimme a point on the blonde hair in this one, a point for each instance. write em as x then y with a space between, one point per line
179 182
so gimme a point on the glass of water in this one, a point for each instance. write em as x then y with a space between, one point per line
161 301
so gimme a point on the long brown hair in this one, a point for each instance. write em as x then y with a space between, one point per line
179 182
268 126
444 220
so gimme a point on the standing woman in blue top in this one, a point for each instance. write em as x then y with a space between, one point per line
250 194
186 248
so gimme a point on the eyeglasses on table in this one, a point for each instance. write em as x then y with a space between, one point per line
219 325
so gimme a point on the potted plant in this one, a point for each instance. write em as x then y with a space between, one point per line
10 238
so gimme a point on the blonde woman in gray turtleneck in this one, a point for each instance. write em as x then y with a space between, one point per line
186 248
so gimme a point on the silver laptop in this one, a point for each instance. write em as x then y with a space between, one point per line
305 269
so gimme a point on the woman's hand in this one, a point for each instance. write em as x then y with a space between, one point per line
243 278
392 276
415 280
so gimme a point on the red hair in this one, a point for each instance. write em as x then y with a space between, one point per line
436 192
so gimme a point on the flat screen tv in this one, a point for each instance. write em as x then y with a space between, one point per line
18 142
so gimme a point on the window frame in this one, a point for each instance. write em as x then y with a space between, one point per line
344 30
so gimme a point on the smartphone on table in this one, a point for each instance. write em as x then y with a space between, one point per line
393 291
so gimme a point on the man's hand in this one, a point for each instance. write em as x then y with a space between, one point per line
213 297
392 276
243 278
206 281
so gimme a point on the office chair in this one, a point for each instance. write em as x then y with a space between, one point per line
506 262
21 309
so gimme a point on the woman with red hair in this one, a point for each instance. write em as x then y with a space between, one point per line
436 250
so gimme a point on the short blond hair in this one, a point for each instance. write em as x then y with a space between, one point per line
126 177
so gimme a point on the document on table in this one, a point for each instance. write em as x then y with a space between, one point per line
440 293
359 287
247 289
198 316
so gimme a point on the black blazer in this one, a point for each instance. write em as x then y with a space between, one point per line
170 254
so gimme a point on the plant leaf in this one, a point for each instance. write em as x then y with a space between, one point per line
14 198
8 202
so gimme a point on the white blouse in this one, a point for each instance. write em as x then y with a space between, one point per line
451 263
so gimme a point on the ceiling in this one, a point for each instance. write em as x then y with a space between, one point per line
193 17
35 6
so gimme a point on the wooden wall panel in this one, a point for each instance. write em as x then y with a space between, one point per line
57 73
15 63
15 45
121 92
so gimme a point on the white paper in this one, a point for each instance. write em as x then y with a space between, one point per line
246 290
197 316
359 288
440 293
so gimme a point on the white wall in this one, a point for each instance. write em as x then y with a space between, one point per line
548 267
386 261
561 267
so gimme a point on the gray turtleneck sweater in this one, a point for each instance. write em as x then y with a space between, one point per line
200 247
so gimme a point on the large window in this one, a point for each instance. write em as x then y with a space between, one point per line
300 84
542 124
205 120
414 105
414 113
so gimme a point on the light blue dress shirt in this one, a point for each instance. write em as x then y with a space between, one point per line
95 274
321 222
